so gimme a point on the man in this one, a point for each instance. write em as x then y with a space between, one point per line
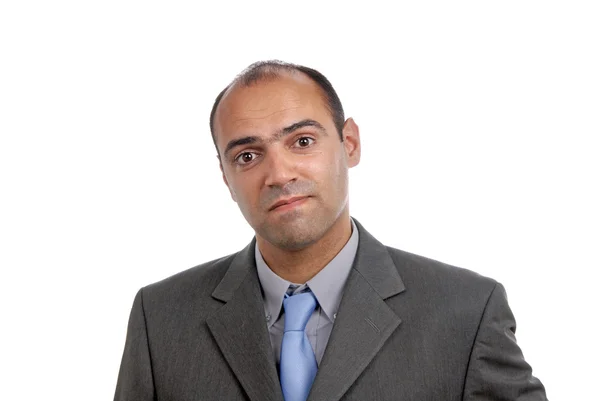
314 307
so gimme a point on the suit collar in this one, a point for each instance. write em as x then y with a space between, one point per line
240 330
237 272
364 322
376 266
372 261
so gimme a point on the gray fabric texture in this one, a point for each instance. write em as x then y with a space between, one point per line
407 328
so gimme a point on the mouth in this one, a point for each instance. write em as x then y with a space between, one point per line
290 203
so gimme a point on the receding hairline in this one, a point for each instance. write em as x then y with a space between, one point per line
273 74
263 71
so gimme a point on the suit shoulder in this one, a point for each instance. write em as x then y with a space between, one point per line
420 271
197 281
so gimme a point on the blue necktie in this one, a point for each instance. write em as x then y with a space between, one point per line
298 366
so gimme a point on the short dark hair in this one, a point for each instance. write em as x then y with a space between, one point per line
271 69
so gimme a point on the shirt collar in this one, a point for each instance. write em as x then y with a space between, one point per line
327 285
273 286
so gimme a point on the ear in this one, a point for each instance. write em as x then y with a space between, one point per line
225 181
351 136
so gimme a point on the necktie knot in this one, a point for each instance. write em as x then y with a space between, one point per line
298 309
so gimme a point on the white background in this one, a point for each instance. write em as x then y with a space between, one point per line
479 124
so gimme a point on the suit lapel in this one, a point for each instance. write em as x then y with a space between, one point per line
240 330
364 321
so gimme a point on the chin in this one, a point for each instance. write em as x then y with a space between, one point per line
292 237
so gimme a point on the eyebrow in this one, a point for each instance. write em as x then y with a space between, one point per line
300 124
252 139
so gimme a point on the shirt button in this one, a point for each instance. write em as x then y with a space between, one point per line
268 318
334 316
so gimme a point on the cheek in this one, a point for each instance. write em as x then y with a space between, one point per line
243 191
314 167
327 170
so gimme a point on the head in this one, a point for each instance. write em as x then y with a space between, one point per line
280 135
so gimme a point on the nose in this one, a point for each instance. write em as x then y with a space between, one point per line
280 168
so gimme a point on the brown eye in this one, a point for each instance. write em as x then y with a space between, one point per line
245 158
304 141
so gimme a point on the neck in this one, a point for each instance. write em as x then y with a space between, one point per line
301 265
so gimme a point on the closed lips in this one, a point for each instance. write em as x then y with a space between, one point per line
287 201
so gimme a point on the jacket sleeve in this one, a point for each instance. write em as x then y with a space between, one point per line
135 382
497 369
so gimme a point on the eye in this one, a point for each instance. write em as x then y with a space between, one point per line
304 141
245 158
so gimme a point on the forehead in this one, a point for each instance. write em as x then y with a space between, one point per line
269 105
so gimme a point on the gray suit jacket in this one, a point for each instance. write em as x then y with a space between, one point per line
408 328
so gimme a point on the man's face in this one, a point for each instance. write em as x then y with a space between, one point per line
278 144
